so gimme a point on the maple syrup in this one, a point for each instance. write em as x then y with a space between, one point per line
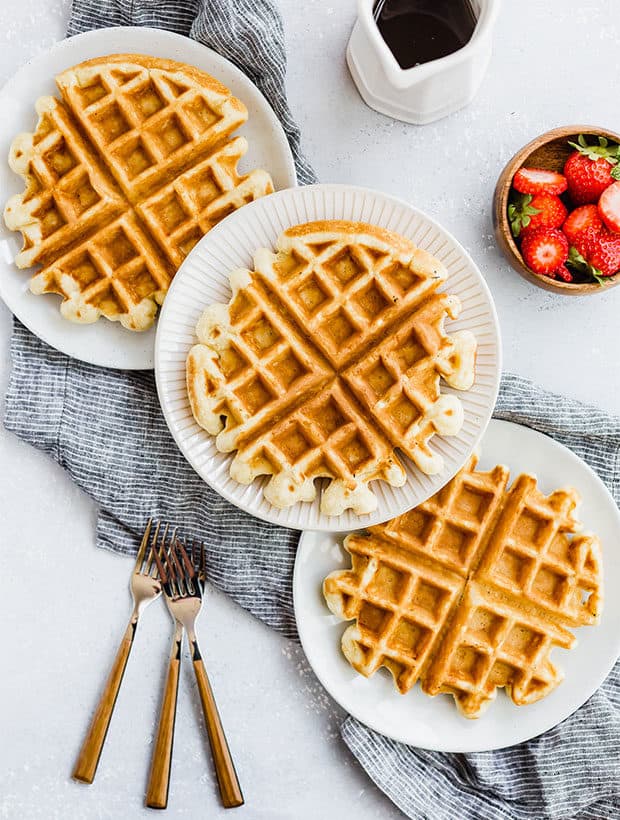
418 31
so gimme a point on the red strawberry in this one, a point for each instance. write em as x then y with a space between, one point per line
563 273
527 212
579 220
538 181
609 207
587 179
551 212
544 250
601 250
590 169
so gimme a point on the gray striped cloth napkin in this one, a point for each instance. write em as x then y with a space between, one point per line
106 429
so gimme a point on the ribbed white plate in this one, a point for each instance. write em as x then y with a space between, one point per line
105 343
435 723
203 280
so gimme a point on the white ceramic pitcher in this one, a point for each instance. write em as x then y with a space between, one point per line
425 92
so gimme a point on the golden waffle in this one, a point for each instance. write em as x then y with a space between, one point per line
122 178
327 358
470 591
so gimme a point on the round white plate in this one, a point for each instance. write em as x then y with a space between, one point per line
105 343
435 723
203 280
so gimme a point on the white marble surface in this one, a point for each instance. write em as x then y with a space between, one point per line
546 71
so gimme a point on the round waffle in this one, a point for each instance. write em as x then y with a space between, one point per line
328 358
122 178
470 591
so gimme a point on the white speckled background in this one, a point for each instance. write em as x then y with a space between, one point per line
550 66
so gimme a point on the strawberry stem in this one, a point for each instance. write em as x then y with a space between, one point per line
520 213
579 263
604 149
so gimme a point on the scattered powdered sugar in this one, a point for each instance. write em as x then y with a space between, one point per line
315 697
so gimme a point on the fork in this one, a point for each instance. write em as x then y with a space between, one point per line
182 587
145 588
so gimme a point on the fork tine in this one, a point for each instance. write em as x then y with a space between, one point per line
163 546
142 548
199 562
158 551
149 564
166 557
178 569
195 557
171 540
163 577
163 537
185 558
203 562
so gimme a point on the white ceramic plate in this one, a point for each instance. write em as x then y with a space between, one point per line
203 279
435 723
106 343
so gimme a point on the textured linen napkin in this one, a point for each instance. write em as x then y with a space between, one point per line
106 430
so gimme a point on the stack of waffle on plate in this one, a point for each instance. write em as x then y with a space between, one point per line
327 358
122 178
470 591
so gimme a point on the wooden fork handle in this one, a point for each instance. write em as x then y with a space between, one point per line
161 761
88 758
230 790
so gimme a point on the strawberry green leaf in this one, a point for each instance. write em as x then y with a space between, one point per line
604 149
598 276
578 262
616 172
515 222
520 213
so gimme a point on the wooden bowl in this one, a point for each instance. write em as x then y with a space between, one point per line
549 150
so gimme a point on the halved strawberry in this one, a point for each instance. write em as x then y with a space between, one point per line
579 220
539 181
527 212
609 207
544 250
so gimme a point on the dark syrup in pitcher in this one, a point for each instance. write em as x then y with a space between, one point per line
418 31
